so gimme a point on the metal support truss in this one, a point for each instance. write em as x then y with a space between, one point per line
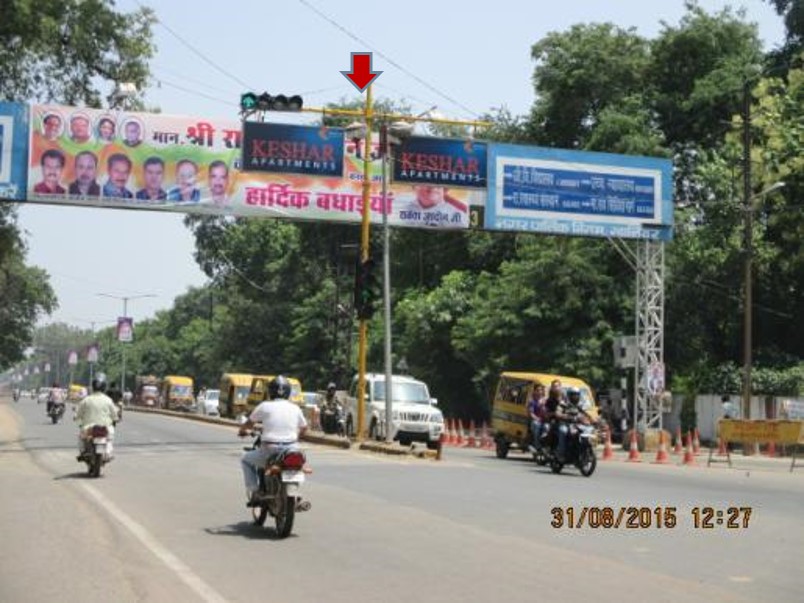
649 329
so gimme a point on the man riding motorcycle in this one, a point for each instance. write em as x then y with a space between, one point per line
331 411
96 409
555 413
282 425
55 396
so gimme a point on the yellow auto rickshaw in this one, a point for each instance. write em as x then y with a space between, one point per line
176 393
259 390
234 394
510 420
76 392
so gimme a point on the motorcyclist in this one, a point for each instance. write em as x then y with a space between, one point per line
116 395
282 425
536 411
330 409
55 396
96 409
555 412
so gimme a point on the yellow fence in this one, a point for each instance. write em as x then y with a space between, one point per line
761 431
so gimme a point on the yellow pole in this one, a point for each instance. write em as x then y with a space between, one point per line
364 254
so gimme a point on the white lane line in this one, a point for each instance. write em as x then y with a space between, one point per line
190 578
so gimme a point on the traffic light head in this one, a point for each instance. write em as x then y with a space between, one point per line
367 289
250 102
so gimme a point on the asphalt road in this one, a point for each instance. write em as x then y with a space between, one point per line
167 522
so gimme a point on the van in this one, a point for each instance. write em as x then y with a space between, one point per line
415 416
234 393
510 421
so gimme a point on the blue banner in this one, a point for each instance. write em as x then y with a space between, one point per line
14 122
292 149
577 193
446 162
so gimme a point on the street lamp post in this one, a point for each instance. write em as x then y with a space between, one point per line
125 299
748 293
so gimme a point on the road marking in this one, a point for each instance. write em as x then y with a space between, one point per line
740 579
190 578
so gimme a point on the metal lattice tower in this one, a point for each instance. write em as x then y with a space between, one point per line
649 327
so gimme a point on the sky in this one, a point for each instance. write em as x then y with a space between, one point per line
448 54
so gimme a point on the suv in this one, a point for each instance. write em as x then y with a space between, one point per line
415 417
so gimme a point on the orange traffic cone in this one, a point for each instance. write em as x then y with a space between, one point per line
485 441
633 452
721 447
661 455
608 452
771 450
689 455
696 443
471 441
678 449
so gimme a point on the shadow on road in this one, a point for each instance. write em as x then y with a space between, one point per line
246 529
74 475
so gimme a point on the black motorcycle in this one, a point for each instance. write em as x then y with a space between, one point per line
579 449
333 420
56 411
279 485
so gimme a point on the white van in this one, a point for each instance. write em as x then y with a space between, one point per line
415 417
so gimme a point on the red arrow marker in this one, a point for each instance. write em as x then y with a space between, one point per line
361 74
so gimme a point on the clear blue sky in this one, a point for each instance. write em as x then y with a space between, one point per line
475 53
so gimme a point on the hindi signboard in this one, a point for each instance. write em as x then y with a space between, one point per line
190 165
13 150
555 191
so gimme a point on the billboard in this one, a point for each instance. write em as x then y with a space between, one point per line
13 150
125 329
441 161
554 191
128 160
289 149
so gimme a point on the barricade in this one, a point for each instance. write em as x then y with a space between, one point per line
770 431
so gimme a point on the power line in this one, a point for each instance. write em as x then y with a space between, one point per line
392 62
195 51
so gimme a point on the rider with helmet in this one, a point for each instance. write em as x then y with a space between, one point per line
282 425
330 410
96 409
556 413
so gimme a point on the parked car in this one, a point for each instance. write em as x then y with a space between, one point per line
208 404
415 417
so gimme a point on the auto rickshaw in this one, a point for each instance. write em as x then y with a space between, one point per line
234 388
510 420
259 390
177 393
76 392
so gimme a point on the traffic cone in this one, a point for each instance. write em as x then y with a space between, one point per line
721 447
678 449
661 455
471 441
696 443
485 441
771 450
459 430
608 452
450 427
689 455
633 452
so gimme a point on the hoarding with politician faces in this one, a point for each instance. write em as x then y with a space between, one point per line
155 161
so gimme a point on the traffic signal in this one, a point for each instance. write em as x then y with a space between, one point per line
367 289
250 102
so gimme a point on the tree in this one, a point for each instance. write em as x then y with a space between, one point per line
57 51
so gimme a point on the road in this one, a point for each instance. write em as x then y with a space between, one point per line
167 522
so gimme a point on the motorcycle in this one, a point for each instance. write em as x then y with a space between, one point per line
579 448
96 453
279 485
333 420
56 411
